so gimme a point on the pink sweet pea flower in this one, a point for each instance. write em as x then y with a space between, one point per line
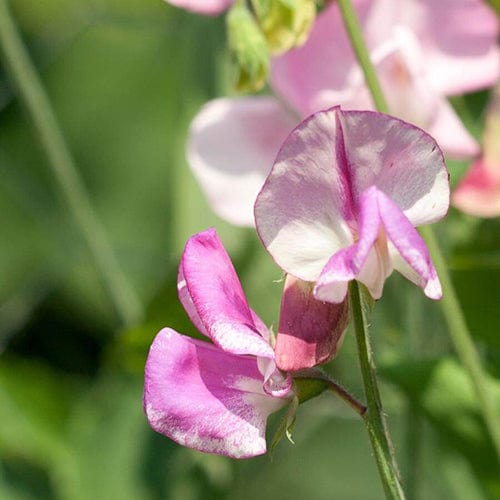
206 7
479 191
343 199
423 50
216 397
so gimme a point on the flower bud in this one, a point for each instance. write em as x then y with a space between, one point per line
285 23
248 44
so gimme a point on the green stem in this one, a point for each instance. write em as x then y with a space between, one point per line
462 340
374 417
452 311
353 29
24 77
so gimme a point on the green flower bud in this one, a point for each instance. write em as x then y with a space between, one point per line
285 23
249 46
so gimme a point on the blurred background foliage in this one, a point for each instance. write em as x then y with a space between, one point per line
125 78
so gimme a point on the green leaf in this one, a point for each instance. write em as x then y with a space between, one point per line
443 393
107 433
34 406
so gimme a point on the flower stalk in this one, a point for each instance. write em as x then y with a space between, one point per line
311 382
355 34
374 417
457 327
24 77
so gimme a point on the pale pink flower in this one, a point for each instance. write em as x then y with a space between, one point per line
478 193
206 7
343 199
424 50
216 397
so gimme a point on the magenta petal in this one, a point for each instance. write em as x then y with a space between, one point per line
379 216
310 331
217 297
206 399
187 302
409 244
349 263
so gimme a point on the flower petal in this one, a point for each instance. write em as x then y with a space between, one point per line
187 302
207 7
206 399
401 160
217 297
450 133
479 191
231 147
302 211
362 260
310 331
368 259
409 244
460 41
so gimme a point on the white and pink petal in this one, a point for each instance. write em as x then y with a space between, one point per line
400 159
231 147
206 399
303 211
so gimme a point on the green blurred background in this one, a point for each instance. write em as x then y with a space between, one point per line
125 78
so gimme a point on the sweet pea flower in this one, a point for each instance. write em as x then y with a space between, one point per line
423 50
478 193
343 199
216 397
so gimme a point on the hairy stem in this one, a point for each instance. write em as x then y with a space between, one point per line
20 69
374 417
